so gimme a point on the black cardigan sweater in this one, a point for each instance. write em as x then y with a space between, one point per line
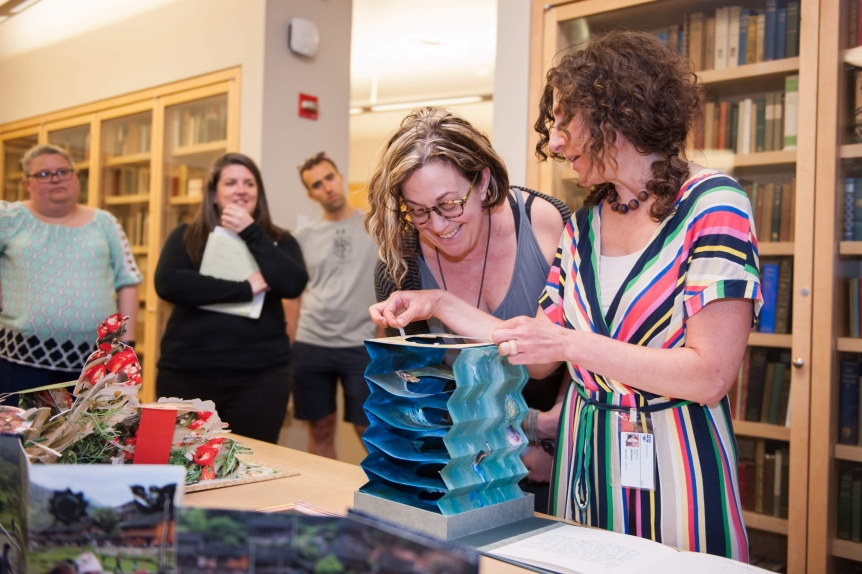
211 343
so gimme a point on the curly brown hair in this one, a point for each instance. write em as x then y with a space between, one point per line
626 83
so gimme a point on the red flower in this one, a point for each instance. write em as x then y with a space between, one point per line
121 360
205 454
94 374
196 424
208 473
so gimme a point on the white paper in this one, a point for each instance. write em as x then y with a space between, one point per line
688 562
226 256
637 461
580 550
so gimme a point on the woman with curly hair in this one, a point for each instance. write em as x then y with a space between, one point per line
649 304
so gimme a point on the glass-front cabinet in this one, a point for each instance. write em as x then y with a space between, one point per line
75 139
14 149
143 157
750 127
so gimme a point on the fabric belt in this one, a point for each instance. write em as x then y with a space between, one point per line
584 438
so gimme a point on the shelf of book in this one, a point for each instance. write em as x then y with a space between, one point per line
15 175
848 452
185 200
207 147
756 339
761 430
849 345
139 249
760 70
756 159
82 165
127 199
775 249
850 248
763 522
847 549
130 159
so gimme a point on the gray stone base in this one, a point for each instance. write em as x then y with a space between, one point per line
444 527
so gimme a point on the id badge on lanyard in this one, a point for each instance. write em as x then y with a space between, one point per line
637 451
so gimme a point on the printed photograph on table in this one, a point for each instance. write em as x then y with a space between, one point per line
103 518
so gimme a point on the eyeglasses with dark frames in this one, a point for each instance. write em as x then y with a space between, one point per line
445 209
62 174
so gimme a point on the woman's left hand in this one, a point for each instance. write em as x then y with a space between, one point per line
528 341
235 218
538 462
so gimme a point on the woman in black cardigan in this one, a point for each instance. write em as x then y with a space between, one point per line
239 363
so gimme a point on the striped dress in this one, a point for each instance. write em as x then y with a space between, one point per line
703 251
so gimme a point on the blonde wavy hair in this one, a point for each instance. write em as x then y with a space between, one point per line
426 135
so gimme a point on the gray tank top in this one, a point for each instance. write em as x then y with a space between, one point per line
528 280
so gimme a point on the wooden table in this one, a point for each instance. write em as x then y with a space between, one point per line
327 483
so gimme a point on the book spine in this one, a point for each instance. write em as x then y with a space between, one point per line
709 51
733 128
722 125
791 111
758 194
777 389
759 471
742 56
760 135
709 112
787 200
769 121
768 484
849 207
857 211
722 23
775 228
768 382
673 36
733 36
740 127
766 216
771 25
856 507
848 413
756 379
761 37
792 40
751 44
777 114
781 34
857 129
746 484
696 40
746 126
854 307
845 495
784 400
858 22
769 285
782 304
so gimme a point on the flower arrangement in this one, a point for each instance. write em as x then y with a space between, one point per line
99 421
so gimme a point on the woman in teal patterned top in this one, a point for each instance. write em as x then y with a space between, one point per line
60 265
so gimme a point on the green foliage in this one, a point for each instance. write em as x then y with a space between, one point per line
329 564
108 520
193 520
226 529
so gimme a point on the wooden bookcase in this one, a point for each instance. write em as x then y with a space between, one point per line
839 156
143 157
554 26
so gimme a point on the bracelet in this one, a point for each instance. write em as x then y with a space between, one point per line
529 426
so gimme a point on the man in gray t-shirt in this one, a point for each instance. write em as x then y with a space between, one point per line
333 317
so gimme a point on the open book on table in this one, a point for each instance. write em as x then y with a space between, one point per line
579 550
226 256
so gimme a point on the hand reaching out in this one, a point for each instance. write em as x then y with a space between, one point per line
405 307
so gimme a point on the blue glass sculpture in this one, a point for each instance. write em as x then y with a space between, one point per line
443 439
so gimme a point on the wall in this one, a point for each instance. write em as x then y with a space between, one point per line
288 139
171 42
511 87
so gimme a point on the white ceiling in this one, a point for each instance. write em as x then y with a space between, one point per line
422 49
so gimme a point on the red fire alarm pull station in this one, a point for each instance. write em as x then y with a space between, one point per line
308 106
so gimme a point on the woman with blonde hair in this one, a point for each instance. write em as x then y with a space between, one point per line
444 216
